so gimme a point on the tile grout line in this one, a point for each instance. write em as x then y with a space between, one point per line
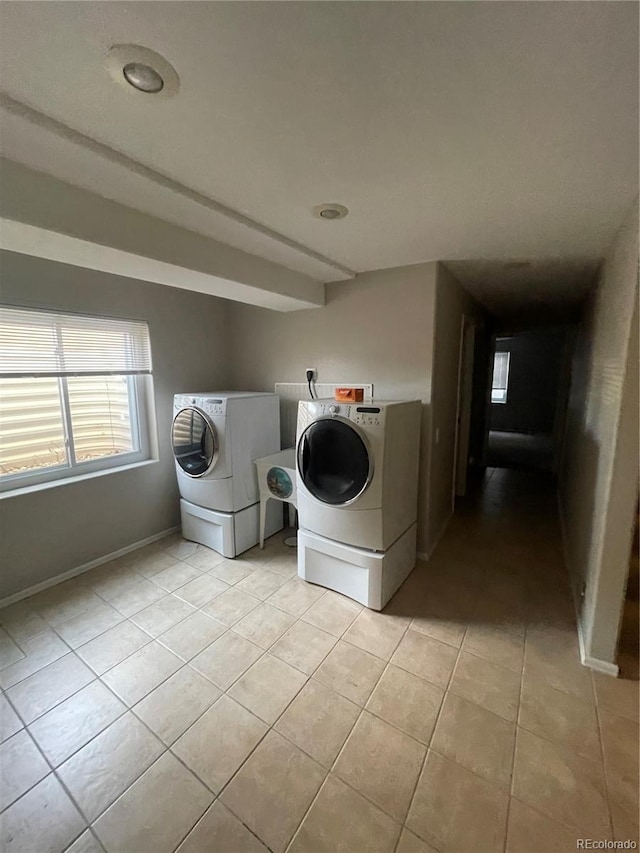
127 709
87 587
308 678
225 693
203 815
433 731
54 629
97 678
428 747
604 764
515 738
166 749
348 737
157 639
60 780
25 729
271 727
57 704
361 709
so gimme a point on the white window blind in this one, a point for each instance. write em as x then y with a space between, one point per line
73 394
45 343
500 382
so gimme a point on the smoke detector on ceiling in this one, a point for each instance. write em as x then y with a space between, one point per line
141 70
330 211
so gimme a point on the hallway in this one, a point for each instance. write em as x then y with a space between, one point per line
244 710
520 451
497 589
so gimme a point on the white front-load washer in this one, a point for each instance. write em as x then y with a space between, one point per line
216 437
357 479
357 470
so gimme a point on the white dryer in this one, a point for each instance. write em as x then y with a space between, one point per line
357 478
216 437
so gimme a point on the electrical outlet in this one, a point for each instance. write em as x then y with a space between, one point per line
313 372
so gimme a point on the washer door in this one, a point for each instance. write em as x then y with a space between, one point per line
334 461
195 442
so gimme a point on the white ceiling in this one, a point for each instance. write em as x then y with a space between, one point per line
451 130
543 290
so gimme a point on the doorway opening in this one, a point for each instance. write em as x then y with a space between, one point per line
529 388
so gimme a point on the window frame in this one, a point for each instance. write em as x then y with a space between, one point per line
504 390
142 420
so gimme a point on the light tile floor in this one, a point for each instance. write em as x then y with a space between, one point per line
174 700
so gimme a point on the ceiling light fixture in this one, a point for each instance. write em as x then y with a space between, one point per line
141 70
330 211
143 77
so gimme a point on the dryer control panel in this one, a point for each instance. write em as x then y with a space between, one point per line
213 406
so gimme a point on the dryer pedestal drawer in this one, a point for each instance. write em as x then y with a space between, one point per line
370 577
228 533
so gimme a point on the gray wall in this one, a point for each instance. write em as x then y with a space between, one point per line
452 304
57 529
480 406
599 476
535 367
377 328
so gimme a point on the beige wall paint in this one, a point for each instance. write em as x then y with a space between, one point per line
52 219
377 328
57 529
600 467
452 304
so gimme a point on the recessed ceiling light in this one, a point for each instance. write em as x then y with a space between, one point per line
141 70
330 211
143 77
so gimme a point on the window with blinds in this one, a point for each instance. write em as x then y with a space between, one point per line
500 382
72 394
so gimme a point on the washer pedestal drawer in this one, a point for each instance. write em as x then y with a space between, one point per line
370 577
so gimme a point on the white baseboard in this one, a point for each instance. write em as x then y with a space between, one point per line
603 666
85 567
596 664
426 555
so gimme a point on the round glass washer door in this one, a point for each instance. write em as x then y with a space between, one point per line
333 461
195 442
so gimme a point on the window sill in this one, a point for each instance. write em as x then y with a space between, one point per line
54 484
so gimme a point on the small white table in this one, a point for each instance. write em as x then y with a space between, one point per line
277 481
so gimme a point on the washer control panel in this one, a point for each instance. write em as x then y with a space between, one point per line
369 416
366 415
